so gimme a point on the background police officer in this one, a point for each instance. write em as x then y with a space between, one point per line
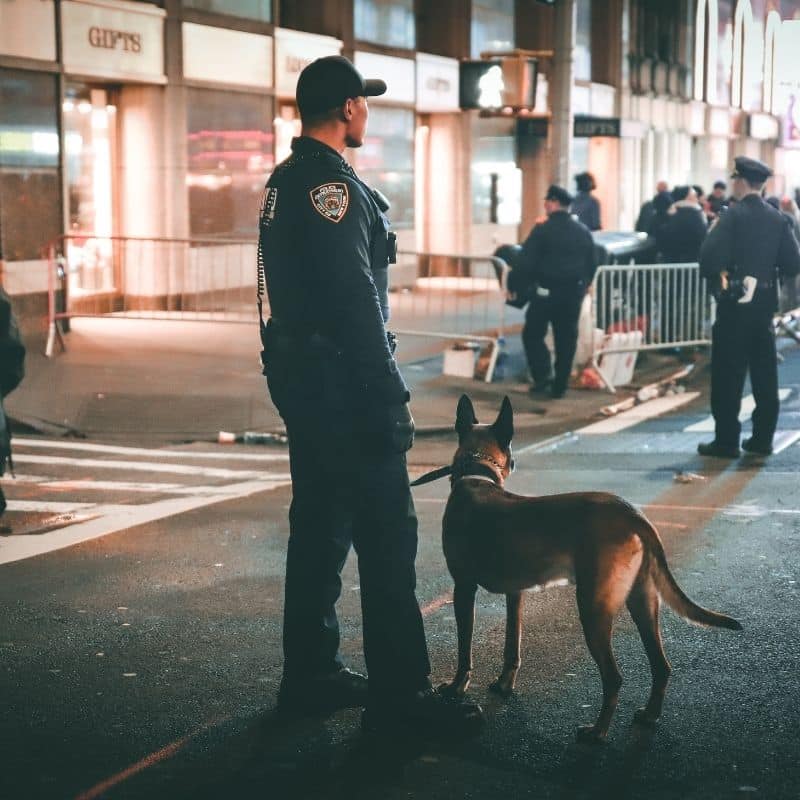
325 247
745 253
559 258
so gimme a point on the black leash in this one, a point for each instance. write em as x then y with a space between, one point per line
432 475
476 457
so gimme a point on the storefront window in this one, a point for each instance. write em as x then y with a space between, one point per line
231 153
386 22
386 160
30 199
583 41
496 179
250 9
492 25
725 51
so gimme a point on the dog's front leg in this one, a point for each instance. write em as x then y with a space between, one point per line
464 605
504 685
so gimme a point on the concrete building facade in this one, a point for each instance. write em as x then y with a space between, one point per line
164 120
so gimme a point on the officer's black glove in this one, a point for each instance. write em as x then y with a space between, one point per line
400 427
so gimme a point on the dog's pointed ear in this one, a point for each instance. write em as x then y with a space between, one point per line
465 415
503 426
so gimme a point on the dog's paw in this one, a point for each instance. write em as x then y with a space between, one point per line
503 689
589 734
452 689
643 717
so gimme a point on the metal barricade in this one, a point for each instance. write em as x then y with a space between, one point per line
150 278
455 296
450 297
437 296
649 307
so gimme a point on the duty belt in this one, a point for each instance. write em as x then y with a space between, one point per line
276 337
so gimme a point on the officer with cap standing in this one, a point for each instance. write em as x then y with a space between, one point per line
742 258
558 257
324 251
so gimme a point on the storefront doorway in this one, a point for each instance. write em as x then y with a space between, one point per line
90 147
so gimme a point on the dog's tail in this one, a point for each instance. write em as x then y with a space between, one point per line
668 588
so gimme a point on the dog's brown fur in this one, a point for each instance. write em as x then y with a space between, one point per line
506 543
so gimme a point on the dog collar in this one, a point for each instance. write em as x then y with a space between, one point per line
486 478
477 457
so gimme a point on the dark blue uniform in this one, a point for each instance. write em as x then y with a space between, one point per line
332 375
751 238
558 256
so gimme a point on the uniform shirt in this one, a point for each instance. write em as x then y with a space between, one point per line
751 238
559 253
323 241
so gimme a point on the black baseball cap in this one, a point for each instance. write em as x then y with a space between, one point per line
750 169
327 82
559 195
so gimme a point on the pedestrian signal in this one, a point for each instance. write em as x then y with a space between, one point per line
498 83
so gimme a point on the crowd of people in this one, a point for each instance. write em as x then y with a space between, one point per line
679 218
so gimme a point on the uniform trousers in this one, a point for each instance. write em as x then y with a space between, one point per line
561 309
347 491
742 339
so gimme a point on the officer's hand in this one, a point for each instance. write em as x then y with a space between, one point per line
401 427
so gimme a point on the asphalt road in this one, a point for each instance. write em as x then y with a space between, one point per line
144 662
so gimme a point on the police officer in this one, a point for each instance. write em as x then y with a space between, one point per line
558 257
745 253
324 250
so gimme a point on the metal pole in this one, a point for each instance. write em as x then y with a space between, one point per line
561 103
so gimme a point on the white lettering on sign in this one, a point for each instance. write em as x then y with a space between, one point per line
110 39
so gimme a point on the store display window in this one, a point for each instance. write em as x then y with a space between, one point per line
386 160
30 195
387 22
249 9
230 156
492 26
496 178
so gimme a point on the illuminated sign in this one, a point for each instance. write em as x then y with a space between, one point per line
437 83
220 55
398 72
28 29
786 92
113 40
762 126
498 84
294 51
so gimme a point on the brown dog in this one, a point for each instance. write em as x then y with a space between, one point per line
506 543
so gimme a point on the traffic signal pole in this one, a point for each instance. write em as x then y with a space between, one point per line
561 102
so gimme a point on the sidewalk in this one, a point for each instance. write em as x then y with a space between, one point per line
157 382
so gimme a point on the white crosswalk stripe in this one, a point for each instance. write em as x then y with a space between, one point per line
91 447
706 425
83 490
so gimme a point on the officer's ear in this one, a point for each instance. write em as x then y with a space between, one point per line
347 110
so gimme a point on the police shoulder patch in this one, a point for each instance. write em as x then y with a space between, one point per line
331 200
269 202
